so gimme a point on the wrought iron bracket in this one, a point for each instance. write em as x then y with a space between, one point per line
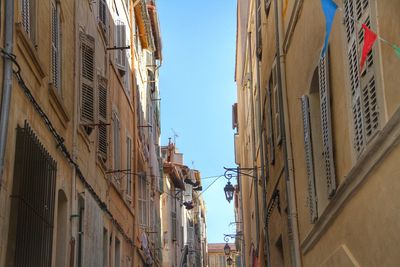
234 172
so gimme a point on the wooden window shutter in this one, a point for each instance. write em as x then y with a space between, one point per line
116 143
103 14
277 116
55 47
312 198
102 137
271 139
259 29
326 124
365 107
129 166
120 42
87 81
28 17
234 116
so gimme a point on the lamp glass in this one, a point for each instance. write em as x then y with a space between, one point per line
227 249
229 191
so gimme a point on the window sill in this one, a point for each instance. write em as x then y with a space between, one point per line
58 105
29 52
384 142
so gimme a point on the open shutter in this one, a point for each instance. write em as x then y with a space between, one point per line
87 80
312 199
55 47
362 85
120 42
129 167
323 75
102 136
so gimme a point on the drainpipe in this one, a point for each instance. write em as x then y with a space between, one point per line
260 136
7 81
255 171
286 144
74 219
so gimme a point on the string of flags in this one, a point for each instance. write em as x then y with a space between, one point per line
329 7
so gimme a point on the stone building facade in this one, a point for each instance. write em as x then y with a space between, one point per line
319 133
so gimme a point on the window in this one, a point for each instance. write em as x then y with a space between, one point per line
32 202
116 143
173 226
28 15
105 248
87 82
102 18
102 134
117 262
129 168
56 46
364 100
142 201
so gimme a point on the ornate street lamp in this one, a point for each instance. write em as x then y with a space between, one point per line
229 191
229 261
227 249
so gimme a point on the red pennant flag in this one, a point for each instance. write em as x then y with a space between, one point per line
369 40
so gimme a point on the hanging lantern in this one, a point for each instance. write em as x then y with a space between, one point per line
229 191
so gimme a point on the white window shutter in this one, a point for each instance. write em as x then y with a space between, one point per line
120 42
312 198
326 124
87 80
362 85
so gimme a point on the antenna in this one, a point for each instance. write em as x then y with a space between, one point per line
175 135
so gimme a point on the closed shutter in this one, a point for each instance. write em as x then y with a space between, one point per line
277 116
271 140
55 47
324 91
27 8
129 167
87 81
312 199
102 137
103 14
259 29
120 42
362 85
116 143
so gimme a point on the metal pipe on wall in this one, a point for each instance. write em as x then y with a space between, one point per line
260 134
286 145
7 81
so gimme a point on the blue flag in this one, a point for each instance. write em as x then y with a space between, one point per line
329 7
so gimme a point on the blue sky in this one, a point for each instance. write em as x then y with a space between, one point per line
197 91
